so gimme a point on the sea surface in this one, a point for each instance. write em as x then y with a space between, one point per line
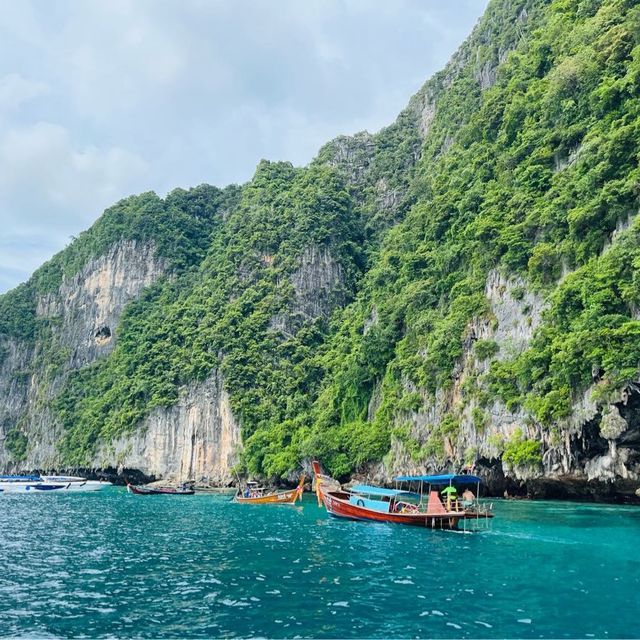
117 565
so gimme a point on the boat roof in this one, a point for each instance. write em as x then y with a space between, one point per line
379 491
11 478
444 478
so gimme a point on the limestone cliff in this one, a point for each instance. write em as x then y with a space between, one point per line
318 288
82 317
595 452
87 307
198 438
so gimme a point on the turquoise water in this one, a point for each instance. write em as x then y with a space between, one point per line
119 565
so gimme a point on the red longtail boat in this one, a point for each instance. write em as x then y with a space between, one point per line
365 502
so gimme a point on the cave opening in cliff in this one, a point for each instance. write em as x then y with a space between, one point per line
103 334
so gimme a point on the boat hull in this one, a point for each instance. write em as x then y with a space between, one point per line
92 485
50 487
337 504
160 491
75 483
343 504
282 497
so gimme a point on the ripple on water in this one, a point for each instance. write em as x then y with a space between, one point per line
146 568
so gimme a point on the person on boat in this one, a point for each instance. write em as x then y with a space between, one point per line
452 497
468 497
247 493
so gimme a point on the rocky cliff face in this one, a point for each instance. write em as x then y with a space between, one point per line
595 452
198 438
83 316
318 287
519 157
87 307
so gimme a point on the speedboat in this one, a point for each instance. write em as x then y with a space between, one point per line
25 484
44 484
75 483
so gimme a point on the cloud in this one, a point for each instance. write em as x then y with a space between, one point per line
19 251
51 189
99 99
16 90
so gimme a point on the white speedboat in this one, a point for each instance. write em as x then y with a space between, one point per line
24 484
46 484
74 483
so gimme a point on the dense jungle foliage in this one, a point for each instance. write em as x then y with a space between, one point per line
532 176
222 317
528 165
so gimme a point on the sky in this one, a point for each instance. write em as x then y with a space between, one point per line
100 99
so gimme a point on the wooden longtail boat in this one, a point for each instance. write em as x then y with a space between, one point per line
253 494
154 491
365 502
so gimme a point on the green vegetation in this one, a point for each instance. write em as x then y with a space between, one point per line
180 226
532 176
528 166
16 443
521 452
480 419
486 349
220 317
589 327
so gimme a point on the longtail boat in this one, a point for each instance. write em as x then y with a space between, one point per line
154 491
418 508
254 494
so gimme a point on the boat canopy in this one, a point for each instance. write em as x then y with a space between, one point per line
379 491
445 478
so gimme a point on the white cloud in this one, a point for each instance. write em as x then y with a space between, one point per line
40 164
21 253
16 90
102 98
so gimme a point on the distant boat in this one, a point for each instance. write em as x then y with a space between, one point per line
185 490
41 484
417 508
255 494
75 483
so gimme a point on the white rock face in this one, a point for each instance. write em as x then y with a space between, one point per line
612 424
353 154
90 303
315 281
197 438
86 310
427 114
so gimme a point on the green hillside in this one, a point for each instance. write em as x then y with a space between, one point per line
527 164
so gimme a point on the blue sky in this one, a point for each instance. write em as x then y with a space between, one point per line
103 98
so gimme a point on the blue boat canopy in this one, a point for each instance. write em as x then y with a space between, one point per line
366 489
445 478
